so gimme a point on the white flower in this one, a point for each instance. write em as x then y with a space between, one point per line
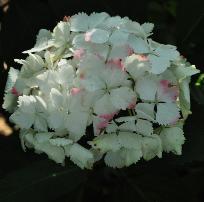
104 89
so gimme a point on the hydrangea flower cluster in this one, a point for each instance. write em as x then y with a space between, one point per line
98 86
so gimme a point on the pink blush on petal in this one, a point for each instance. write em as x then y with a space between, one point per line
118 63
88 35
142 58
66 18
15 92
102 124
130 51
167 89
132 105
107 117
173 122
79 53
75 91
164 83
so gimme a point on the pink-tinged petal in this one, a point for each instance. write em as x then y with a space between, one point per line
108 117
103 121
100 56
75 91
132 105
79 53
167 91
141 57
130 50
164 83
117 62
88 35
173 92
81 76
15 92
174 121
66 18
103 124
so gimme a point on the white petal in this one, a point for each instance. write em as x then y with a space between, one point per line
112 22
144 127
130 156
43 137
55 153
97 36
65 74
146 87
56 119
145 111
96 19
61 34
167 113
112 127
113 159
128 126
56 98
119 51
148 27
135 67
183 72
10 102
79 23
118 38
60 142
40 123
167 51
129 140
158 64
12 77
151 147
122 97
139 45
126 119
46 81
43 41
114 77
27 103
172 140
24 120
76 123
81 156
132 27
106 142
104 105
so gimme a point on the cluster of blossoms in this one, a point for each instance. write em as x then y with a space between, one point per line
98 86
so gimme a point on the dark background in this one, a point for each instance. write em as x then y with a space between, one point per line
31 177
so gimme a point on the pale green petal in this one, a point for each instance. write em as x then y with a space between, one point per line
12 77
145 111
172 140
138 44
144 127
79 22
135 67
151 147
122 97
146 87
54 153
167 113
106 142
129 140
81 156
